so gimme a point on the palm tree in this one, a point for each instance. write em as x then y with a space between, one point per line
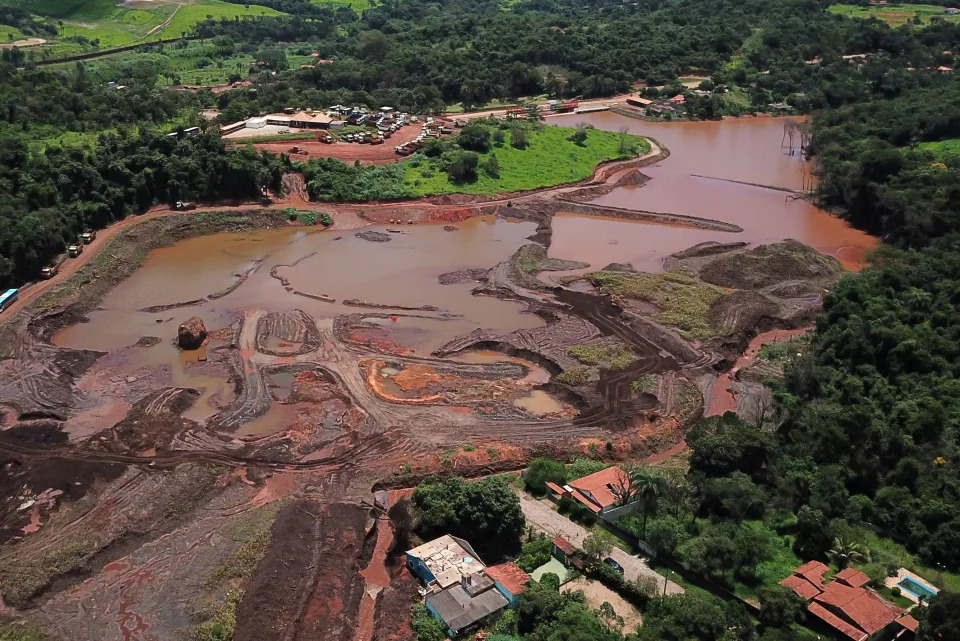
845 553
649 487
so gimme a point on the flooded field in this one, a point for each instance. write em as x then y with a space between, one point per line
696 181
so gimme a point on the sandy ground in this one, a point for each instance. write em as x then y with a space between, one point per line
28 42
597 594
348 151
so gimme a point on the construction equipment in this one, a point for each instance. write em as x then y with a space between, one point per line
182 205
88 236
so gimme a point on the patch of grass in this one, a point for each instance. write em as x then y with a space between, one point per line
900 600
646 383
584 466
888 552
688 400
549 159
615 356
894 14
357 5
224 622
292 137
245 558
20 632
684 301
576 375
20 583
942 147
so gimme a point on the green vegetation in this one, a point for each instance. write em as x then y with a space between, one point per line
224 622
20 632
548 158
941 148
684 302
895 13
646 383
576 375
486 512
614 356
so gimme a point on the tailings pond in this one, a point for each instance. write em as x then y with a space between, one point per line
703 177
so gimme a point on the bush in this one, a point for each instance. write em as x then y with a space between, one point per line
534 554
475 137
550 580
425 626
492 166
462 166
325 219
542 471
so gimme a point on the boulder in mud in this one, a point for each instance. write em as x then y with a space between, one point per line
373 236
191 334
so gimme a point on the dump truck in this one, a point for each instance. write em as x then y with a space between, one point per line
49 272
75 250
182 205
325 138
88 236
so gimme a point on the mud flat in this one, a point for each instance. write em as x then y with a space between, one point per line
194 487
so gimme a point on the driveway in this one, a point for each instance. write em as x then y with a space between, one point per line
542 517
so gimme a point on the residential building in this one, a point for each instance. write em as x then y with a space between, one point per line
600 492
564 552
461 591
846 608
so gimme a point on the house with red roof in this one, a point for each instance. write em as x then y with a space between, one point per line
510 580
599 491
846 607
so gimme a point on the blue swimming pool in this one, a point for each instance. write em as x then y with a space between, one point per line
916 589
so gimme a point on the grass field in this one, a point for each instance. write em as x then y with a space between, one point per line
116 26
357 5
894 14
950 146
550 159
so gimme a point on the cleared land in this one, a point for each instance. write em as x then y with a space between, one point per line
114 25
942 147
895 14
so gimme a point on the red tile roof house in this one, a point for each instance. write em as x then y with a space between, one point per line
598 491
847 608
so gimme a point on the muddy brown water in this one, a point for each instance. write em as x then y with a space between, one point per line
696 180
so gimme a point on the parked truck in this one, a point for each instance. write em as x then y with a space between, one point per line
75 250
182 205
88 236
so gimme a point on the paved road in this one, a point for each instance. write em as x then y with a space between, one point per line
542 517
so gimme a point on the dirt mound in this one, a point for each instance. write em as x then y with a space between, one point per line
742 311
373 236
191 334
772 264
153 422
709 248
309 585
287 334
634 177
463 276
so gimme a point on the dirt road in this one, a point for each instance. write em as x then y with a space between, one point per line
593 102
346 151
553 523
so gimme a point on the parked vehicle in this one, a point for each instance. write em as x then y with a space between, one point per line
8 298
613 564
182 205
74 250
49 272
88 236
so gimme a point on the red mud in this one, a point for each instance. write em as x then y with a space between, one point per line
723 399
346 151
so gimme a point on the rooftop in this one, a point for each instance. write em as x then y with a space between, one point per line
597 487
509 576
812 571
836 622
564 545
801 586
853 577
459 609
448 558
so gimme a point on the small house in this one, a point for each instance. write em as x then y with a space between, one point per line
510 580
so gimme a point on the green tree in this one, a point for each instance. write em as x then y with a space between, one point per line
650 486
596 547
550 580
579 135
486 513
845 553
492 166
779 606
542 471
425 626
940 620
664 535
475 137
